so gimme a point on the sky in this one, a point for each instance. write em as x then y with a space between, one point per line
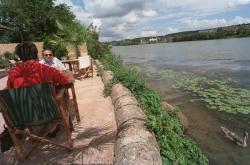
126 19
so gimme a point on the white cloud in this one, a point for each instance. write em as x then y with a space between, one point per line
106 39
113 8
195 24
171 30
148 32
235 3
120 28
57 2
131 18
239 20
149 13
120 19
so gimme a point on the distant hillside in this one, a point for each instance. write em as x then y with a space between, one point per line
242 30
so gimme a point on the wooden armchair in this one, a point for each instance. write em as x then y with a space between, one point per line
85 66
25 108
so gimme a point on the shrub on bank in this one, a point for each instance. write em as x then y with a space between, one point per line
175 147
3 63
8 55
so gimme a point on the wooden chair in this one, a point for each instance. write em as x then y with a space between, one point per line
85 66
25 108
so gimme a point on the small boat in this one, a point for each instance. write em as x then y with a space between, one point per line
241 141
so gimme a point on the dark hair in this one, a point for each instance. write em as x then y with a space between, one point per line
26 51
46 49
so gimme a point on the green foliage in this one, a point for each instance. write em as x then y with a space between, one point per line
107 89
34 20
73 33
99 69
64 14
175 147
47 44
5 38
3 63
31 19
58 49
135 41
8 55
206 35
243 31
93 44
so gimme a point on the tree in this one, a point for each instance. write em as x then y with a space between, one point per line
243 31
73 33
33 20
63 14
93 44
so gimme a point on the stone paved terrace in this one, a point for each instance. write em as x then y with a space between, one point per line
93 137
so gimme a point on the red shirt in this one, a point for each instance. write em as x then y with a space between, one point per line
32 72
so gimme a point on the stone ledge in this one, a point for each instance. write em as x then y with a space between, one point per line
134 143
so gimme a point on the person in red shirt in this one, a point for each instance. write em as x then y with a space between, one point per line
31 72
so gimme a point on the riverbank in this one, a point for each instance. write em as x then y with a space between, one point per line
234 31
174 146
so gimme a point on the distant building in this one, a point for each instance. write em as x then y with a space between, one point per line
148 40
207 30
144 41
153 39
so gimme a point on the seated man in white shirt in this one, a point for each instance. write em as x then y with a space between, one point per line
50 60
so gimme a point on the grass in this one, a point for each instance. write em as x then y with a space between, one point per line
175 147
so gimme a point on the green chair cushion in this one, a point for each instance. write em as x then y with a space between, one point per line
30 106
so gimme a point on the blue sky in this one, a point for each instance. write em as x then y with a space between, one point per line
122 19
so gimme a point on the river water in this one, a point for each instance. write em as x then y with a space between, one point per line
229 58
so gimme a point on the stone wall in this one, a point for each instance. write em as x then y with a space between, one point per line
74 51
11 48
134 144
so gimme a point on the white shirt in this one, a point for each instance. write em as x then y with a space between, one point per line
56 63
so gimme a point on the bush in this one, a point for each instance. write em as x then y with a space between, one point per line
3 62
8 55
58 49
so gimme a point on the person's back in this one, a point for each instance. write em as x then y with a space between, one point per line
31 72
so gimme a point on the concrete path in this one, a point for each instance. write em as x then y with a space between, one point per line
93 137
